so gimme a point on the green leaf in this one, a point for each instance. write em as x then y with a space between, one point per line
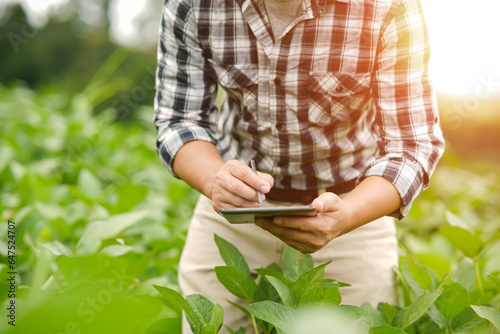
421 276
467 242
129 196
322 296
295 264
239 331
202 307
371 317
386 329
465 321
176 299
216 321
455 220
417 309
231 255
453 301
95 232
309 281
88 184
388 310
271 272
116 250
280 316
489 313
285 293
239 307
237 282
350 312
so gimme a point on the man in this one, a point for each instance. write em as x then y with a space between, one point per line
331 98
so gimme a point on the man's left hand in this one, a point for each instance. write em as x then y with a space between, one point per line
310 234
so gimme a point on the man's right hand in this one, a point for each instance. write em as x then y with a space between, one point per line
235 185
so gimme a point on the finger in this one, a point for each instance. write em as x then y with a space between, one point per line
283 232
267 178
226 199
297 223
244 173
302 241
327 202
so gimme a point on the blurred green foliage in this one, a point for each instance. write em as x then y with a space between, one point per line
98 220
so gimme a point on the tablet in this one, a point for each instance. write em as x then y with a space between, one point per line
248 215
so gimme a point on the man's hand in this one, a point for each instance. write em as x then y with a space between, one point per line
235 185
310 234
373 198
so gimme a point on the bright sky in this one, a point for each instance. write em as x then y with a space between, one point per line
465 39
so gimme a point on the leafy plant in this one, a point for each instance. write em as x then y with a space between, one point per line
440 307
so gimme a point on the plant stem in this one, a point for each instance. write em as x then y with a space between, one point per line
449 326
254 325
478 276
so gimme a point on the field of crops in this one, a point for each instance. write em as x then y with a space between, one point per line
96 223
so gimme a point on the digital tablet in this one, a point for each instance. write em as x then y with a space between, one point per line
248 215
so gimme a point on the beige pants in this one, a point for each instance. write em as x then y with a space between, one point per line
363 258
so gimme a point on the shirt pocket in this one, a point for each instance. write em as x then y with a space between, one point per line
334 96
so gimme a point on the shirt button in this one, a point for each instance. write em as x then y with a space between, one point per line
339 89
277 81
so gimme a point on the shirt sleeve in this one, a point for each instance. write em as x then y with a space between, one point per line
406 125
185 107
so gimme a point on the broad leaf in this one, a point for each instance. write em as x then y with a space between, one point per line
489 313
465 321
88 184
350 312
129 196
176 299
239 307
371 317
322 296
237 282
95 232
457 221
231 255
421 276
453 301
279 315
386 329
412 313
239 331
274 273
309 281
285 293
468 243
215 322
295 264
202 307
388 310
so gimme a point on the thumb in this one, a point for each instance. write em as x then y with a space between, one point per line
327 202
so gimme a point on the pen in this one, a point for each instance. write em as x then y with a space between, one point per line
259 195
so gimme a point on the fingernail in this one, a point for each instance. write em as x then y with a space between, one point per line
265 188
277 221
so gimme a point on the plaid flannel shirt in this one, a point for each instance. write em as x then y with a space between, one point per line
344 93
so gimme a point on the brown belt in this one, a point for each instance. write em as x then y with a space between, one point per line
307 196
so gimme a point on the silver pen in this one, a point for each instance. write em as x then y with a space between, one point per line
259 195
